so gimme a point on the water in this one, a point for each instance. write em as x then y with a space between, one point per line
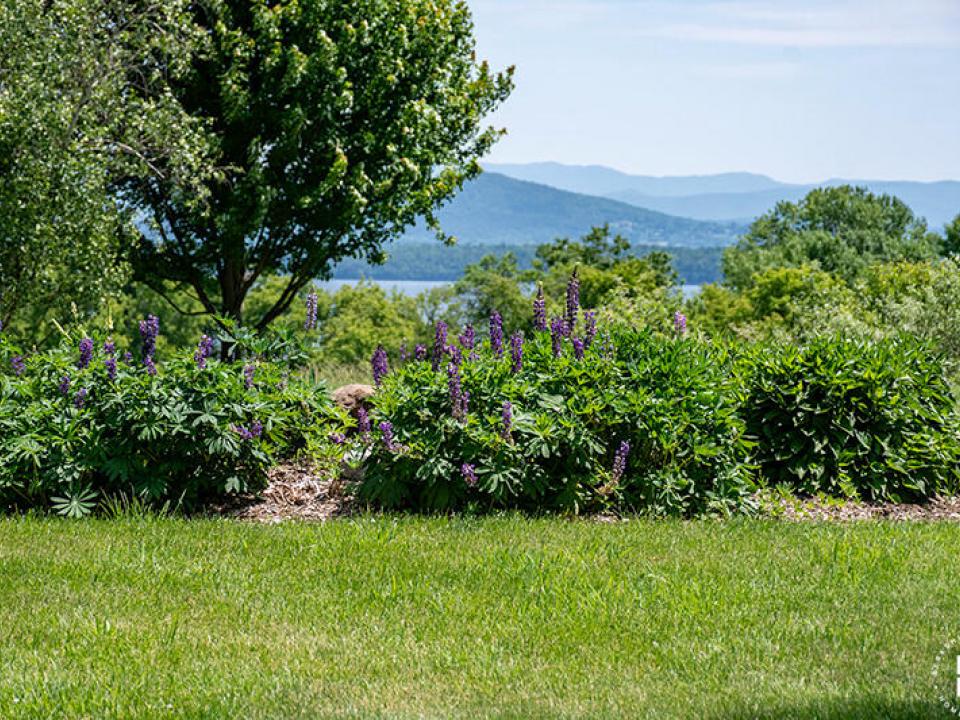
415 287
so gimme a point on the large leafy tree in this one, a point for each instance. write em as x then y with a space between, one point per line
336 124
69 124
840 230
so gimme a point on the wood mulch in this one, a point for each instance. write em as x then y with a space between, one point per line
303 492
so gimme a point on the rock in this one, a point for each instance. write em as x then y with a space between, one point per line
351 397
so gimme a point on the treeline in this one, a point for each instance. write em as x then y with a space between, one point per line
433 261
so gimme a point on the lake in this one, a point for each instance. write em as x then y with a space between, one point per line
415 287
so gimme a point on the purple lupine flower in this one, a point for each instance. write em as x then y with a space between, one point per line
19 365
110 363
109 348
578 348
620 461
557 331
64 386
496 334
254 431
456 355
86 353
439 343
420 352
386 431
404 355
363 424
149 330
311 322
204 348
680 323
380 365
468 338
128 357
540 311
150 366
516 352
507 421
469 473
465 404
80 398
590 326
248 372
337 438
573 301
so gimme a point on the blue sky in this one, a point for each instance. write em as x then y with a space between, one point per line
801 91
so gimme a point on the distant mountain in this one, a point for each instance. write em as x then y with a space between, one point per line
495 209
737 197
600 180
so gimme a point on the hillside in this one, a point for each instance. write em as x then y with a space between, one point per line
495 209
726 197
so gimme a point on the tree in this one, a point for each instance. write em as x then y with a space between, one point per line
951 243
68 125
840 230
336 125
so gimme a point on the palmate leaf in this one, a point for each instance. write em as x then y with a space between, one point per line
77 504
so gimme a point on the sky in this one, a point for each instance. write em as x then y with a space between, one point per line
801 90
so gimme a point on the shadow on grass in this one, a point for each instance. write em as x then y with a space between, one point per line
842 709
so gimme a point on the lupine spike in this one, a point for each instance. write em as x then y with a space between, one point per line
86 353
516 352
573 301
380 365
311 320
439 343
496 334
540 311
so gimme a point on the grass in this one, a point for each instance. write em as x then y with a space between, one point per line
501 617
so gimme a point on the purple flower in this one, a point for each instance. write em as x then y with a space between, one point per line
496 334
86 353
469 473
420 352
110 363
620 461
590 329
363 424
516 351
456 356
578 348
109 348
128 358
507 421
439 343
150 366
337 438
540 311
65 385
557 331
458 399
248 372
386 431
311 322
404 355
149 330
254 431
18 364
204 348
680 323
468 339
573 301
79 398
380 365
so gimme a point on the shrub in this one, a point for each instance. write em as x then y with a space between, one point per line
631 421
78 425
851 417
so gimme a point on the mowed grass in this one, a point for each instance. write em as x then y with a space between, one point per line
501 617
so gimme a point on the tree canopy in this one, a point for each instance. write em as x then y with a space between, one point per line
334 127
840 230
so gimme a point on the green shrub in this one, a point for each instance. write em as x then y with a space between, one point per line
670 398
72 436
852 417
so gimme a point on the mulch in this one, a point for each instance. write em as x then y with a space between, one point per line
304 492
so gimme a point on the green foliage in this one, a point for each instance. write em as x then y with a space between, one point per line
171 437
855 418
840 230
951 242
670 398
68 125
336 126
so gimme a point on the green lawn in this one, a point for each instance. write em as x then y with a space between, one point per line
503 617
